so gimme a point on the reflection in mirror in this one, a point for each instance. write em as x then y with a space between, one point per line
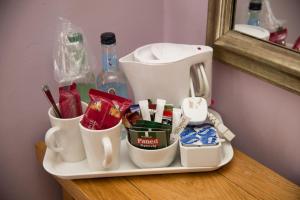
276 21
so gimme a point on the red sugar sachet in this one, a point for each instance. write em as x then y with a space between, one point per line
104 110
69 101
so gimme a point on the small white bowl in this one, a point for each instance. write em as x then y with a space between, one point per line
204 156
145 158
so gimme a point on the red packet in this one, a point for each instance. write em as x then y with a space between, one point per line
104 111
69 101
297 44
279 36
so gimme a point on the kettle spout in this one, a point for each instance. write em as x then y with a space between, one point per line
127 59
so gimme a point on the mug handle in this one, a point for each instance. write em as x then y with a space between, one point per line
106 142
50 139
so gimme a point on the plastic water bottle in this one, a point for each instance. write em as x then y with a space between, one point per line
77 59
111 80
254 12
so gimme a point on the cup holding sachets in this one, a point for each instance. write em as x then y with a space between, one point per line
149 129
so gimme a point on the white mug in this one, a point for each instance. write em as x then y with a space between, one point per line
64 137
102 147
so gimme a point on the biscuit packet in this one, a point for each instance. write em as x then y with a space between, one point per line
132 115
104 110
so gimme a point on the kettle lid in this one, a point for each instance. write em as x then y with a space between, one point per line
159 53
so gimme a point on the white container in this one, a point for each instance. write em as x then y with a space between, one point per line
203 156
145 158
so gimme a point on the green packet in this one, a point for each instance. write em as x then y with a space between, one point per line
148 139
154 126
148 129
150 124
142 129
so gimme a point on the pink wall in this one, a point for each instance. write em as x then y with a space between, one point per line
27 36
265 118
185 21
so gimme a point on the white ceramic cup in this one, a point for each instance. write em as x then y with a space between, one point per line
102 147
64 137
145 158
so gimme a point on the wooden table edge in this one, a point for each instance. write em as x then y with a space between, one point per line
70 187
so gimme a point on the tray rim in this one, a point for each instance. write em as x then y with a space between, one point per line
139 171
145 171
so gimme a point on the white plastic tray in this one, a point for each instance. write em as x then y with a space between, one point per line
78 170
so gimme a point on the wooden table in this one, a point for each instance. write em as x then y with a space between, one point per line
242 178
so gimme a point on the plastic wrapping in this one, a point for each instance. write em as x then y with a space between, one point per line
71 62
297 44
268 19
69 102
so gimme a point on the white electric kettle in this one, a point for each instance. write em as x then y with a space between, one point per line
163 70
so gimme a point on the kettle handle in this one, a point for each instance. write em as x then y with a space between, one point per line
203 82
192 88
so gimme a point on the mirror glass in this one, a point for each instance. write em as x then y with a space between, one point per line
275 21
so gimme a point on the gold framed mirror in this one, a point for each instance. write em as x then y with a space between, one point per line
275 64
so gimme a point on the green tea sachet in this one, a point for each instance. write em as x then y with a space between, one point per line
154 126
148 139
150 124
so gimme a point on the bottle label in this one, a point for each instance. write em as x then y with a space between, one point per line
115 88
